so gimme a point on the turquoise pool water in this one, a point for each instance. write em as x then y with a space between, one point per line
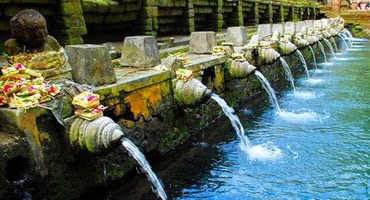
322 136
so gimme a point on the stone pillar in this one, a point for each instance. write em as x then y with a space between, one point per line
240 13
70 22
264 30
91 64
256 13
219 22
271 13
189 24
237 35
140 51
202 42
150 17
281 13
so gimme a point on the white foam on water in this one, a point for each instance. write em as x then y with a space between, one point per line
320 71
264 152
304 95
313 81
301 117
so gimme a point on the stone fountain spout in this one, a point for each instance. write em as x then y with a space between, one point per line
191 91
241 69
97 137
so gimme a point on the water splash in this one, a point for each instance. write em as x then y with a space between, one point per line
264 152
329 45
269 90
349 36
140 158
335 44
322 51
313 81
344 41
234 119
300 117
313 56
288 72
304 95
303 61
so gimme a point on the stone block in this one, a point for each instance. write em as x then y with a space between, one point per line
264 30
117 8
68 21
5 1
70 8
289 27
73 32
133 6
299 26
151 12
94 18
70 41
309 24
113 18
278 28
91 64
129 16
325 23
317 24
202 42
140 51
237 35
151 3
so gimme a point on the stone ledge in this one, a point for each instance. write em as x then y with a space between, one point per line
201 62
130 79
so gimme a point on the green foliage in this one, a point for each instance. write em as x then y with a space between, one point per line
4 55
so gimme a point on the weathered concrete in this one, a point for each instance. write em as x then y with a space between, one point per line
278 28
264 30
237 35
202 42
91 64
140 51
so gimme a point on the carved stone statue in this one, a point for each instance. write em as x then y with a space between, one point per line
34 48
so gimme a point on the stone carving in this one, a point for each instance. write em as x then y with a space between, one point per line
34 48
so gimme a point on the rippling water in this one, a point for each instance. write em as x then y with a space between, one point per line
322 141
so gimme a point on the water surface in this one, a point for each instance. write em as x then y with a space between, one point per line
322 132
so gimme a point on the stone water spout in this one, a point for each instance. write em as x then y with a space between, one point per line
241 69
97 136
285 47
190 91
264 50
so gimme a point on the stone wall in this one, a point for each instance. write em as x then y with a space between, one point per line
98 21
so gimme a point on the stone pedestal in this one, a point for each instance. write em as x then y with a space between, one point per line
264 30
237 35
202 42
309 24
140 51
91 64
278 28
289 27
299 26
317 24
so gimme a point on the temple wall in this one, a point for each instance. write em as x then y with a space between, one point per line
76 21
